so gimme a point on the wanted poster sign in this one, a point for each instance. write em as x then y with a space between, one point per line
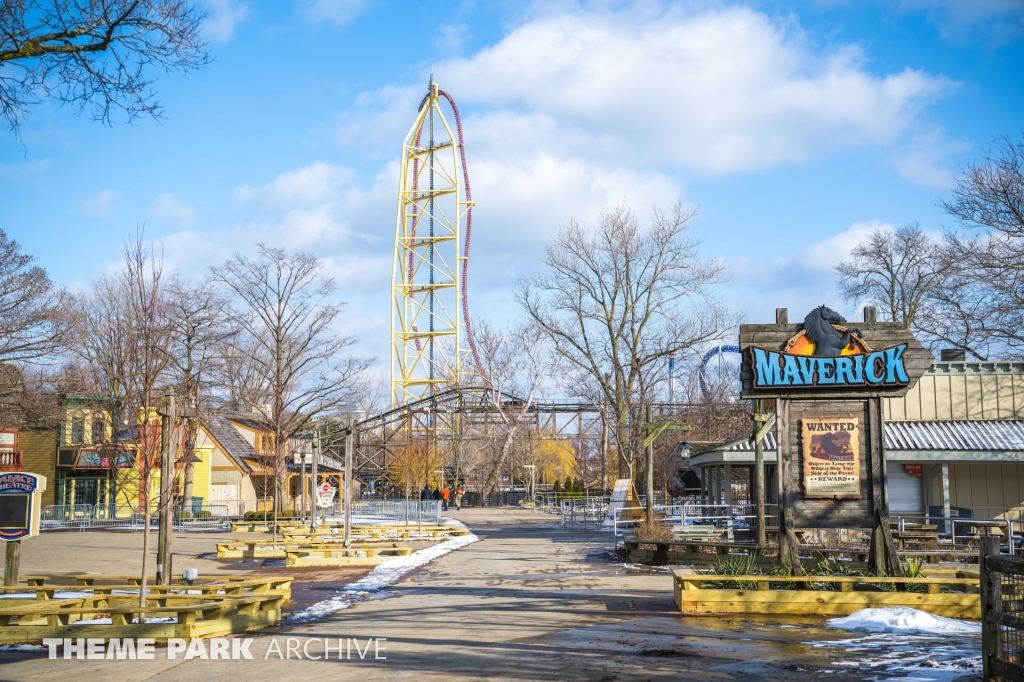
831 457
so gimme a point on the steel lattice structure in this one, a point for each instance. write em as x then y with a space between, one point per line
429 313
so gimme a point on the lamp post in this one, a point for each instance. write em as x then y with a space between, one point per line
314 449
302 459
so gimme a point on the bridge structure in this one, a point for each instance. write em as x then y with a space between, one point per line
451 422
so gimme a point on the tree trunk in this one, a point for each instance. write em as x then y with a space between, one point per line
146 516
492 476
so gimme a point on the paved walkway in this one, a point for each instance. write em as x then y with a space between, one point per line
530 601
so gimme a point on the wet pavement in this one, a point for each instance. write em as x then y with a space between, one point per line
529 601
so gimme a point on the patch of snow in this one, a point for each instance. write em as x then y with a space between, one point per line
902 619
22 647
913 644
383 575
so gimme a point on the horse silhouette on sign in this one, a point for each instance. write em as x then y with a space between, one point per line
828 342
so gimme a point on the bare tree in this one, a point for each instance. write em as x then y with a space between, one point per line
32 314
990 194
900 268
126 340
990 197
615 300
516 364
201 326
292 349
97 53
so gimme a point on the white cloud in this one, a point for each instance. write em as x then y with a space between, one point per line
801 282
103 205
167 209
18 170
922 159
338 12
723 91
222 18
998 21
306 186
451 37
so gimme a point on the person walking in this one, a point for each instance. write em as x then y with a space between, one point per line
459 493
424 497
445 495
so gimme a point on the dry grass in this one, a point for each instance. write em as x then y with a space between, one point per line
653 531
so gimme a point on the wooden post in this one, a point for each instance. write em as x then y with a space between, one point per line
12 562
883 548
759 477
990 603
789 552
649 477
166 511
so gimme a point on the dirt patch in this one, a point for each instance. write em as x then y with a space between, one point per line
315 584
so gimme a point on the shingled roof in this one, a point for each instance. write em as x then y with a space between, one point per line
235 446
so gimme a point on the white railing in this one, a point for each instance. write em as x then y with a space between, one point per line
664 512
583 510
84 516
969 528
387 511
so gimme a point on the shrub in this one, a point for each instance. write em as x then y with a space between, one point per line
653 531
734 565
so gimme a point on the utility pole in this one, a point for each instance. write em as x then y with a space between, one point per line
347 485
315 448
672 379
653 430
166 511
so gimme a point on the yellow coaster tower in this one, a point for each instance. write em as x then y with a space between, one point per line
430 336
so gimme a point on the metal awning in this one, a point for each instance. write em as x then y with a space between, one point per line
920 441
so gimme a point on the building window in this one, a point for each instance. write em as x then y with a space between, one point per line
77 431
99 431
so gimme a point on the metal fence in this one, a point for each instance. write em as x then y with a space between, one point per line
87 516
1002 612
387 511
584 511
961 533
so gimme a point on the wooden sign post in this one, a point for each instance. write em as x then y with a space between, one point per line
828 378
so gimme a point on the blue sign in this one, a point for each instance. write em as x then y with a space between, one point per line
16 498
774 369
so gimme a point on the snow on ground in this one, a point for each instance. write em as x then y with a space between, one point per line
383 575
902 619
907 643
22 647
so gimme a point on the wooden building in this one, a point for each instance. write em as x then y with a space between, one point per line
953 444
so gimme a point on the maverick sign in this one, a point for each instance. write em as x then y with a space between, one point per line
827 357
880 368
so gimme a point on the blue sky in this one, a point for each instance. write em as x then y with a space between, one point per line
795 126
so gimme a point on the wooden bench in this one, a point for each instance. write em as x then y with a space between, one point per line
949 597
188 616
230 586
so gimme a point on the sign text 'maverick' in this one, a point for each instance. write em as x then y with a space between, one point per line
879 368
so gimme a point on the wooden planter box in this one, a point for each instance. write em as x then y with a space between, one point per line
964 602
